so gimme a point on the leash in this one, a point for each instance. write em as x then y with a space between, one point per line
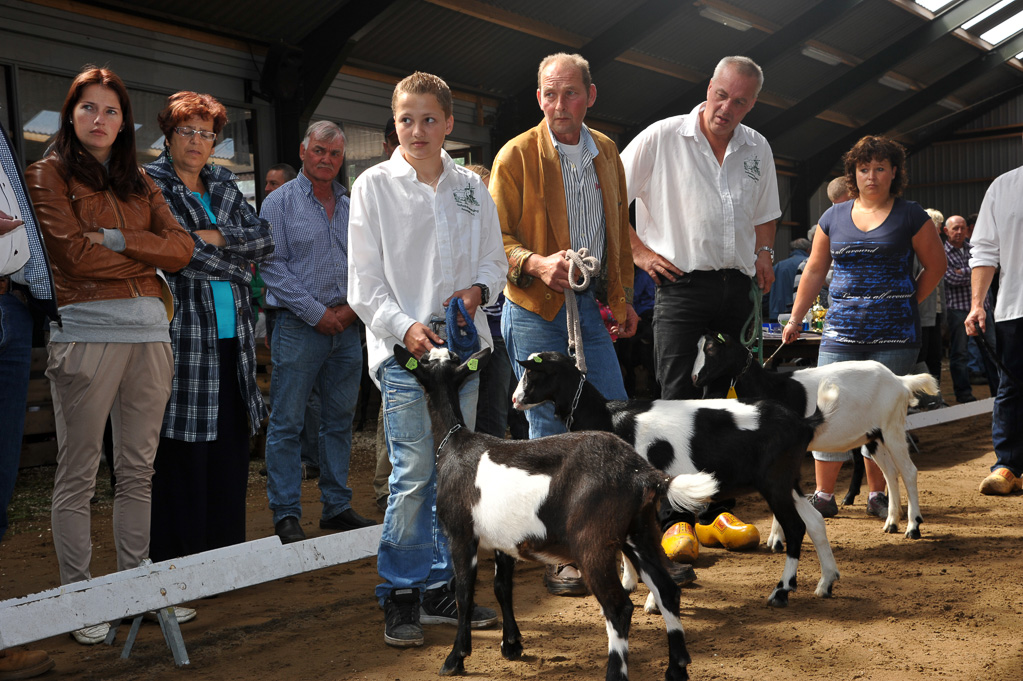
462 340
580 263
982 342
752 334
454 429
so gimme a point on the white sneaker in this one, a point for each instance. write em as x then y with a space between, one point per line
89 636
182 614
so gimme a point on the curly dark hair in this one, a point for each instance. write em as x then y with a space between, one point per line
184 105
875 148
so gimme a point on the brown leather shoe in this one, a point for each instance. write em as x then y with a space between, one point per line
559 585
1000 483
23 664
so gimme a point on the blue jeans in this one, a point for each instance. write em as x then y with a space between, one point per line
413 550
961 348
303 357
526 332
495 392
1007 415
15 360
899 360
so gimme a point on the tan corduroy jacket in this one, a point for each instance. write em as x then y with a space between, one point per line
529 191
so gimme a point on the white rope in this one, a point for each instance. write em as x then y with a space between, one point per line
580 263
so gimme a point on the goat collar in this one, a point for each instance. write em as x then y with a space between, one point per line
749 362
454 429
575 402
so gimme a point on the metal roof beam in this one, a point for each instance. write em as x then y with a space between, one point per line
874 67
767 50
949 124
818 166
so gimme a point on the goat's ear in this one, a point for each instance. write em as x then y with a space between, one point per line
404 358
478 360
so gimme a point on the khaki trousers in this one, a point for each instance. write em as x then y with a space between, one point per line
131 383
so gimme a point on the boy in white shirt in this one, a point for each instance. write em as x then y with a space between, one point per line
422 231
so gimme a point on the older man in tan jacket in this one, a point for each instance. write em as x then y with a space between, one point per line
557 187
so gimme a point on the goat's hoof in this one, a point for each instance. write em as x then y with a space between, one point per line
849 500
913 534
650 606
779 599
777 547
511 651
891 529
454 667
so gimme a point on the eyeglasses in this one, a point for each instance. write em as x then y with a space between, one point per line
190 132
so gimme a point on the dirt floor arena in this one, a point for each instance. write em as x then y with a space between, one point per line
946 606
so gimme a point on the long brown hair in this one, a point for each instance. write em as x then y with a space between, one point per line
122 175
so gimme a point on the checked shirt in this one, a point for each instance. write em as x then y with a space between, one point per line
191 413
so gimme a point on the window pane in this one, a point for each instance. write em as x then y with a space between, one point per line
41 96
364 149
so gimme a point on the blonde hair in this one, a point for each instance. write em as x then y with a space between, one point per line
481 170
936 216
420 83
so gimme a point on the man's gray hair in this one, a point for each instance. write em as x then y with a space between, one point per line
744 66
838 190
800 244
325 131
576 60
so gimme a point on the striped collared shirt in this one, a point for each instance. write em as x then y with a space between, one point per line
308 271
583 200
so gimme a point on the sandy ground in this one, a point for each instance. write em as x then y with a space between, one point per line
945 606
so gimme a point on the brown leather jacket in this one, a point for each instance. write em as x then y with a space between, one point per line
84 271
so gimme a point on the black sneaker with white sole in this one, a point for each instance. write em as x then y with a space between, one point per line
439 607
401 619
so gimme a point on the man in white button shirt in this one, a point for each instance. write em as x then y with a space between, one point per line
706 203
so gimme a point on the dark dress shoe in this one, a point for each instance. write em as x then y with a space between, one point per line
289 530
346 520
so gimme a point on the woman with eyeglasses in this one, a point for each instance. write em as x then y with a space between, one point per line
202 463
107 229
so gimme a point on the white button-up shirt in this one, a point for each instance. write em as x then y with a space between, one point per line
410 248
695 212
997 239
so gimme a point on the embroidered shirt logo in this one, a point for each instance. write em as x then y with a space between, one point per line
752 168
466 200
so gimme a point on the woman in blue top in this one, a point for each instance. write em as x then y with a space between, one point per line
873 315
202 462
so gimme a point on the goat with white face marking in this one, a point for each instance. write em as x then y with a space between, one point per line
870 411
575 497
745 447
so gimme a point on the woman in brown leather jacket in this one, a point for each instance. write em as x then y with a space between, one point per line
107 230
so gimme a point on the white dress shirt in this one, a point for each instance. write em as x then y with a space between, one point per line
410 248
695 212
997 240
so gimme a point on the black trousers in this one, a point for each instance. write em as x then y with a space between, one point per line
199 487
697 303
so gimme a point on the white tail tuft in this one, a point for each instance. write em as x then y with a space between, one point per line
919 383
690 491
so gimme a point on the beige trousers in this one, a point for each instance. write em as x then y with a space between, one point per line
131 383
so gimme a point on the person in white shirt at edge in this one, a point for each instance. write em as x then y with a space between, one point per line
423 231
706 198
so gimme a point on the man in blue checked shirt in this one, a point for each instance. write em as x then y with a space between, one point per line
315 339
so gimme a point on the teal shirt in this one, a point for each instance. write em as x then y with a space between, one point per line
223 296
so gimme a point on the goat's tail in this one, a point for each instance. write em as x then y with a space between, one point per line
691 491
827 404
919 383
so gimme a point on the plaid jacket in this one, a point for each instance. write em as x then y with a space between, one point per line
191 413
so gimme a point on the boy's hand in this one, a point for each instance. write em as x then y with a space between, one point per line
419 339
552 269
471 297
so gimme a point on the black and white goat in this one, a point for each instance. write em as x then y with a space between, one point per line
578 498
745 447
870 411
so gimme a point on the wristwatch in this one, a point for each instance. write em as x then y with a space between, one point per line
765 248
484 293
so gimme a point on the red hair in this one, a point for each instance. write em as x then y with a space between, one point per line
184 105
